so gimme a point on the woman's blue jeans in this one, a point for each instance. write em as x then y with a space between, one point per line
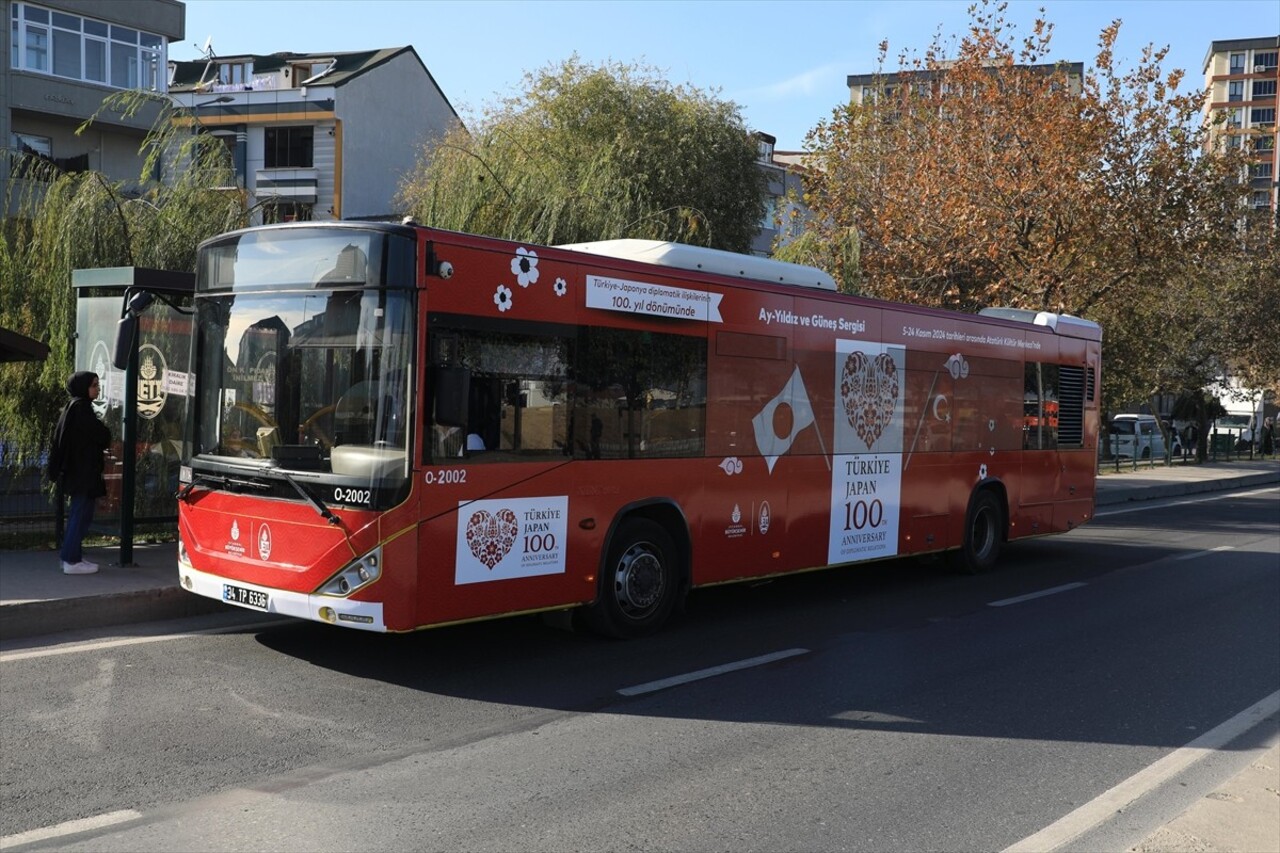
78 522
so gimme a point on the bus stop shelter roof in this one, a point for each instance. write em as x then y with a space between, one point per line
16 347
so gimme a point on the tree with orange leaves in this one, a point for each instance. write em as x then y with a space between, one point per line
999 177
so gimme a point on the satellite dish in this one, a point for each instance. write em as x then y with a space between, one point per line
208 46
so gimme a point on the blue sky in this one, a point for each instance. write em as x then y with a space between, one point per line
784 63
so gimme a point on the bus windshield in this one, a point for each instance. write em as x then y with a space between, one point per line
314 380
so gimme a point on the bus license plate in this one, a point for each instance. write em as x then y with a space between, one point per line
246 597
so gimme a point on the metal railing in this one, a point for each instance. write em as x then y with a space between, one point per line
33 512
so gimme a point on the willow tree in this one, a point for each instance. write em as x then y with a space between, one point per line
60 221
589 152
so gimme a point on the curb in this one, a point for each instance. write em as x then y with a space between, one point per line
34 618
1127 494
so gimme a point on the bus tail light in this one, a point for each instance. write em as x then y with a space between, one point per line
360 573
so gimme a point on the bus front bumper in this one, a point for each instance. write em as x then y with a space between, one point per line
367 616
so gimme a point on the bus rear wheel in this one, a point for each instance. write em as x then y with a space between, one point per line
983 532
639 584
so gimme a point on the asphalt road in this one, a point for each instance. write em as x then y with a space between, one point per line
895 708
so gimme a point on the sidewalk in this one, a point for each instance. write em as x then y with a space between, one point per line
36 598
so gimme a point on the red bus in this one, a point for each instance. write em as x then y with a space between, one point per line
393 427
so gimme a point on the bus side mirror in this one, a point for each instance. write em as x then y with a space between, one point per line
126 329
452 391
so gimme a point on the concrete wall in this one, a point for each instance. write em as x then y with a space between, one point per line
387 115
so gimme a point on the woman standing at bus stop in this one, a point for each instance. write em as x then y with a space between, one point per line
75 459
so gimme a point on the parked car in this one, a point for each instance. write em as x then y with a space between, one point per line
1136 436
1238 425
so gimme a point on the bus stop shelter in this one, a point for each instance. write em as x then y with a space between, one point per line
143 404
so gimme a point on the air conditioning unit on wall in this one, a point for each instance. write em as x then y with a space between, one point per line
1258 69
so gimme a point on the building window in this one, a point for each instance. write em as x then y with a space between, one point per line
1264 90
1264 143
1237 63
36 150
1233 142
235 73
41 148
80 48
1235 90
289 147
769 220
1265 61
1260 170
1234 118
303 72
27 143
1260 199
1262 115
274 212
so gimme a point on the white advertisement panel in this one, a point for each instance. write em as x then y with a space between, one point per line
659 300
866 467
513 538
866 496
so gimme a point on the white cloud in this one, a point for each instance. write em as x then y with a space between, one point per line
824 77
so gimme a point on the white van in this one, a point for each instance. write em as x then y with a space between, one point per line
1136 436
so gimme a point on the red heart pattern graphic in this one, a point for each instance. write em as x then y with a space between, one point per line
869 389
490 536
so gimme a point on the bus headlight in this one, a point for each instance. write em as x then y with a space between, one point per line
356 575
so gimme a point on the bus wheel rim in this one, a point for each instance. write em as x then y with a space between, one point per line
639 581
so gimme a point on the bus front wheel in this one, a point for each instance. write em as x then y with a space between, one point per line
639 584
983 532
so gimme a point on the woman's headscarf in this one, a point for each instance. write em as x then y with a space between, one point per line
79 383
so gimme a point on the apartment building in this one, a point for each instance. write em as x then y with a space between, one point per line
1242 76
317 136
784 212
866 87
63 57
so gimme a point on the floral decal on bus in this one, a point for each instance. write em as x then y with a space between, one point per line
561 287
491 535
502 297
524 266
869 390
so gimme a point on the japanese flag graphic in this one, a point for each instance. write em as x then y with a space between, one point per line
770 443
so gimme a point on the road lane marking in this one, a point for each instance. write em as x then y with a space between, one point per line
1195 554
1110 803
70 827
1018 599
100 645
663 683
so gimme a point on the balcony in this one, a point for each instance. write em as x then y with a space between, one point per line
289 184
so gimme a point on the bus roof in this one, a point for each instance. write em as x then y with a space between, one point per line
1063 324
701 259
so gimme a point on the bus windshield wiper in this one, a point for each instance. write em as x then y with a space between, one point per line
218 480
312 499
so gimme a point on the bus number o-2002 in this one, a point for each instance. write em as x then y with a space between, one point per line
352 496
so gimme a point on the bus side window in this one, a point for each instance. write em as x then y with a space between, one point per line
449 386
